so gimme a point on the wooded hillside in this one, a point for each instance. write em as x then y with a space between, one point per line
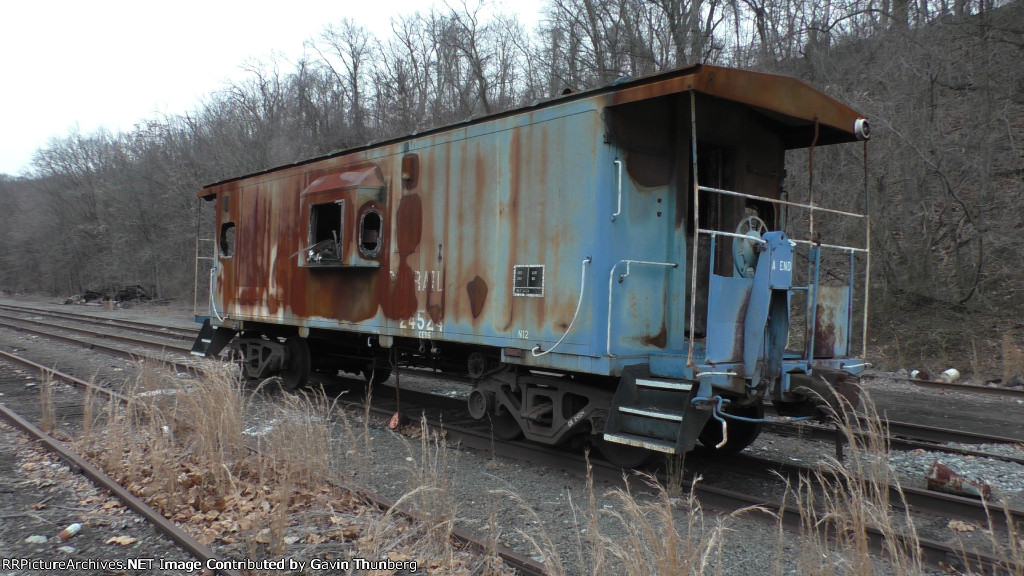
942 83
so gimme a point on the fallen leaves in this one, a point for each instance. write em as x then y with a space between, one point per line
961 526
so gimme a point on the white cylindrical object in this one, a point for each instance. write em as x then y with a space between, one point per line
862 129
950 375
70 531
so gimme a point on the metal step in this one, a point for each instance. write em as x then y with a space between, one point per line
654 413
660 414
642 442
662 385
202 343
211 341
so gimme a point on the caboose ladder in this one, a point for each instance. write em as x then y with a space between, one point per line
655 414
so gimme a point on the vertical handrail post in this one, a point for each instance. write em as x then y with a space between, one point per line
696 224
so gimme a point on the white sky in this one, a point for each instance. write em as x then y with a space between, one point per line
112 63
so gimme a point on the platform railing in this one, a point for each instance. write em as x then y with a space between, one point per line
814 262
815 246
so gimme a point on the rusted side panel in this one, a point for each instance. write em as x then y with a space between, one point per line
463 209
727 310
520 199
483 201
832 322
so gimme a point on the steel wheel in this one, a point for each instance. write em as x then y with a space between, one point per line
374 376
296 373
504 425
623 455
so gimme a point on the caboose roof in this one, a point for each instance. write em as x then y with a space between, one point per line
794 106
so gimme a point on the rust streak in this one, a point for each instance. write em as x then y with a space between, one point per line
659 340
477 290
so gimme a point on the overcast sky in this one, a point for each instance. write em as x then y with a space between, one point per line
67 64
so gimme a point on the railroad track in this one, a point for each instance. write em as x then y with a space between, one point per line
477 437
82 465
759 470
523 564
92 319
102 341
101 330
968 388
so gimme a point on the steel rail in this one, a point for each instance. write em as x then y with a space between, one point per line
936 434
714 496
934 551
20 322
80 465
520 562
967 388
180 366
155 329
905 436
942 504
56 374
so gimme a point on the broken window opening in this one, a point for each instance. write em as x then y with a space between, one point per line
227 240
326 232
370 226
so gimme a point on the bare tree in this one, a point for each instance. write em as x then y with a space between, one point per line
349 47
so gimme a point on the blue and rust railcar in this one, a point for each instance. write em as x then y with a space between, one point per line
610 264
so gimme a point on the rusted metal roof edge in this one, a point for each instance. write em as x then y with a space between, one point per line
734 84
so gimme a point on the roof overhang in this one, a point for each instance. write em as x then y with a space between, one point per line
793 105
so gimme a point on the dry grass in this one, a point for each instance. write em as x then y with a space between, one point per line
844 499
89 413
1007 544
366 455
432 472
637 533
253 468
300 448
185 446
47 414
656 541
433 469
657 530
675 474
542 544
188 449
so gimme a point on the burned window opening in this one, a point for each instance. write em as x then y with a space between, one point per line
326 232
370 226
227 240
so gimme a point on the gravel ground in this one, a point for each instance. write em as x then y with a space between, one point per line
531 504
903 401
40 498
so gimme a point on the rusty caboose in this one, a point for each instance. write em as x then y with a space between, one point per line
611 264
